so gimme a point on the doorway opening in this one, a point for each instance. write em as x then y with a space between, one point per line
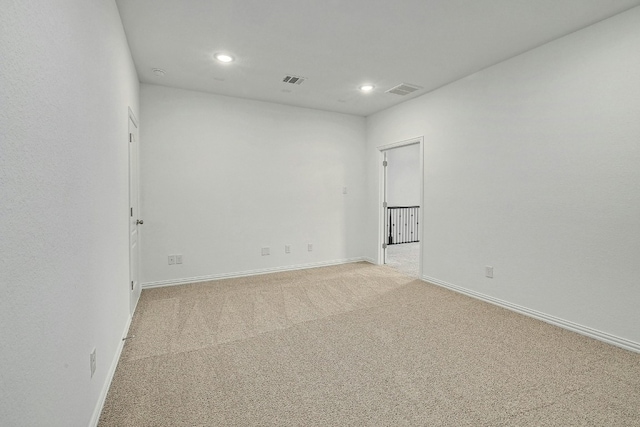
401 192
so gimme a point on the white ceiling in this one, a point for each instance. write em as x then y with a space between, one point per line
340 44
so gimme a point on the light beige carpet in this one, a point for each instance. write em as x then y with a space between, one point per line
358 345
405 258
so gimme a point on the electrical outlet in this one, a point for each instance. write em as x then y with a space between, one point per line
179 259
265 251
287 249
488 271
310 247
92 361
172 259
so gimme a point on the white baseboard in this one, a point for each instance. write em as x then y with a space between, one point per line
112 371
173 282
369 260
580 329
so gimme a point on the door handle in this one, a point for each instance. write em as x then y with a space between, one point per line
139 222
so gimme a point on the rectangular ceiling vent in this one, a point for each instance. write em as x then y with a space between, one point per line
404 89
294 80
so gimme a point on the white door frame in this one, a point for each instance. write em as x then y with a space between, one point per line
133 285
381 195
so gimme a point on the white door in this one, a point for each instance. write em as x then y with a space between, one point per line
384 207
386 181
134 218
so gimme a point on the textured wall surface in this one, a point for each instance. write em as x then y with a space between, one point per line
531 166
66 82
223 177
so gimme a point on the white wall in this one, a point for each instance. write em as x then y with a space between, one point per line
532 166
403 176
223 177
66 81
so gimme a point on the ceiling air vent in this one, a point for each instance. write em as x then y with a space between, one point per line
403 89
294 80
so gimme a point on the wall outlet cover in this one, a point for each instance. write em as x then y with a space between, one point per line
488 271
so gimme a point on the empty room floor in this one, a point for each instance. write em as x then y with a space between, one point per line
405 258
358 345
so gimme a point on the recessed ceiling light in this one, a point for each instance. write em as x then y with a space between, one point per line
223 57
367 88
158 72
